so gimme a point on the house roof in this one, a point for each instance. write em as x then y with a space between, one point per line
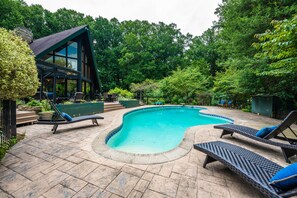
43 45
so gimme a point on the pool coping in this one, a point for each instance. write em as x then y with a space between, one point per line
185 146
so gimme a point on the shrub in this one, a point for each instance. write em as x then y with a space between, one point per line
45 105
34 103
19 78
121 92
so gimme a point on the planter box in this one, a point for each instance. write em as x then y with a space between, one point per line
46 115
79 109
129 103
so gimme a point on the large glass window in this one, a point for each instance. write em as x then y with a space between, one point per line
65 56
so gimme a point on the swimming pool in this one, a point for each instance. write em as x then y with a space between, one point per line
158 129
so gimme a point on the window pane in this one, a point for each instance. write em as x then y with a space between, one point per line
60 87
88 88
61 51
49 59
48 85
72 50
72 64
71 87
60 61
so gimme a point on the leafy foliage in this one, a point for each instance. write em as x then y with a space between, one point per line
183 85
279 47
121 92
18 73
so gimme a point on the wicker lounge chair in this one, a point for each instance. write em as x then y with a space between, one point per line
288 150
59 119
252 167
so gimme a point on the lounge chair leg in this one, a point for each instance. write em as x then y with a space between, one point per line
225 132
94 121
207 160
55 128
287 153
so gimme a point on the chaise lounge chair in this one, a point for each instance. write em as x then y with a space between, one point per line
252 167
288 150
60 118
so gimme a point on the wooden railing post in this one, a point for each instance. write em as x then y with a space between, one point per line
9 118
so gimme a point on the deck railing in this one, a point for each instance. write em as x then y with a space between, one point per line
7 120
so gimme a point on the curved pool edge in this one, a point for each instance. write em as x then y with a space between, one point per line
185 146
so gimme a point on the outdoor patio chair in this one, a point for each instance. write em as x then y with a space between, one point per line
250 166
222 103
288 150
78 97
62 118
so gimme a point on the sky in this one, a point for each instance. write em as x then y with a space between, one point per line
190 16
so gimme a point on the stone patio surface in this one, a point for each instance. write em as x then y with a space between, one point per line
65 164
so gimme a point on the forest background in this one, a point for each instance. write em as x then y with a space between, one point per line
251 50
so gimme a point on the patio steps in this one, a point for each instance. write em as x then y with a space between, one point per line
112 106
26 117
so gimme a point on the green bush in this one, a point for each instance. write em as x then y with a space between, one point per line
34 103
20 102
45 105
19 77
121 93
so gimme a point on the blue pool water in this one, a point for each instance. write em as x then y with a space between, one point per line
155 130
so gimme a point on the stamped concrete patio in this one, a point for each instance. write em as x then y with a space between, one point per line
65 165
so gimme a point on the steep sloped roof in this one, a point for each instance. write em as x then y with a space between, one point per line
43 45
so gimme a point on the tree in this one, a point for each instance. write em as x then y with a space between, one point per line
205 47
183 85
18 72
148 88
11 15
279 47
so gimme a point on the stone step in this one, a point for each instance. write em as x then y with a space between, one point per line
112 107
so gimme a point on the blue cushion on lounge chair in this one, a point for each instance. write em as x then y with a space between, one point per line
285 178
265 131
66 116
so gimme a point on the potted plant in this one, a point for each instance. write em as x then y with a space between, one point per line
46 113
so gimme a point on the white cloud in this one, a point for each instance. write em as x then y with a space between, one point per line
193 16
